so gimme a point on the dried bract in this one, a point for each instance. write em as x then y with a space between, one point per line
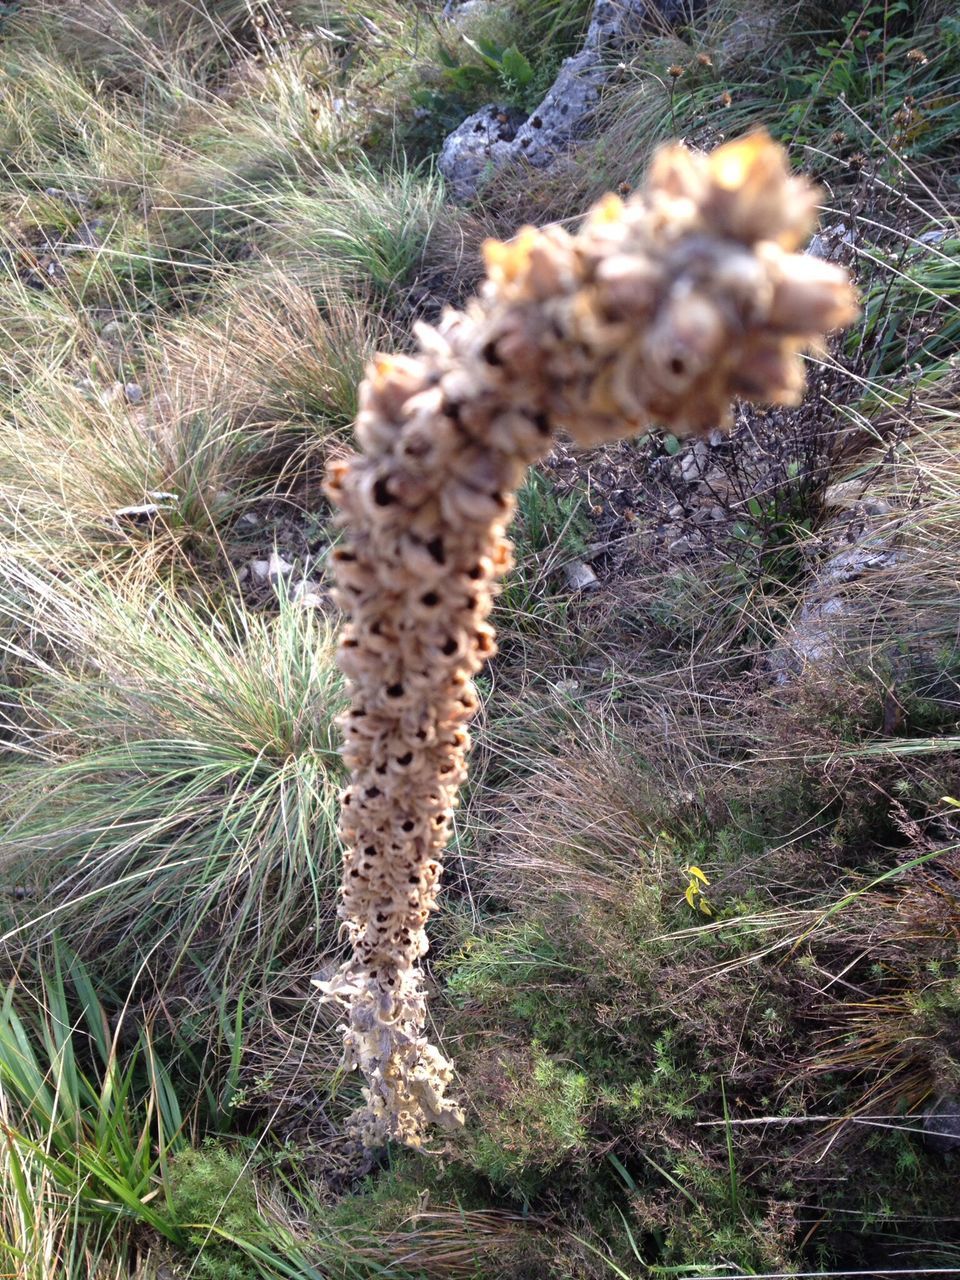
661 310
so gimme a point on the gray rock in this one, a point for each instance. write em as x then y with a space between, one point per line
941 1126
144 513
579 576
76 198
307 594
278 568
695 462
134 392
816 636
457 9
493 136
478 146
829 243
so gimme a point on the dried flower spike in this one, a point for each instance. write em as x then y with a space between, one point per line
661 310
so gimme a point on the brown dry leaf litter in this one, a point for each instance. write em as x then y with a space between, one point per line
661 310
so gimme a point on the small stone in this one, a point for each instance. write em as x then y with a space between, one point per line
579 576
146 512
695 462
679 546
143 513
110 395
277 567
249 518
676 512
134 392
260 570
307 594
941 1125
76 198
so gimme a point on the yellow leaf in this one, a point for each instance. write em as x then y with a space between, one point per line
695 871
705 907
692 890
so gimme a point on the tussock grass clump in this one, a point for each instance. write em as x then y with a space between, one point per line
172 790
88 478
368 230
280 356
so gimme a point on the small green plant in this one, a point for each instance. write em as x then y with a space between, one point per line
541 1123
212 1194
693 893
89 1129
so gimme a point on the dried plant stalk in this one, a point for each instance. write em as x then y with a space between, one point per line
661 310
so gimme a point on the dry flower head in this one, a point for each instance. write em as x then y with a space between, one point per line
662 309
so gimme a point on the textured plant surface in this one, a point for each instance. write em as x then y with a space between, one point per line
662 309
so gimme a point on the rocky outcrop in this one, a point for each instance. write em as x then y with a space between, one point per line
495 136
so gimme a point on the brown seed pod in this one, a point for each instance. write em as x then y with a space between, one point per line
662 309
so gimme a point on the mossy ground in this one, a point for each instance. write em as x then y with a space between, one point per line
697 961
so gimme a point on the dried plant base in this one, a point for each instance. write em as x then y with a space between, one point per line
661 310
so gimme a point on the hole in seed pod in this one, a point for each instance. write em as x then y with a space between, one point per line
414 879
439 821
408 826
372 793
357 713
430 599
347 643
343 555
475 572
381 494
677 366
381 770
394 690
491 354
536 123
405 759
542 423
436 549
421 735
381 918
370 851
449 647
